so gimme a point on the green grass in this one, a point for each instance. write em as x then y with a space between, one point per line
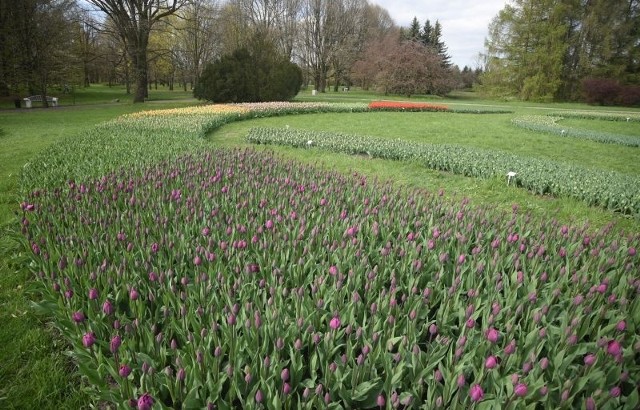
34 372
489 131
614 127
103 94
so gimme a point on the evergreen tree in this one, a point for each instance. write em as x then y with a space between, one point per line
436 41
252 74
413 33
426 35
543 49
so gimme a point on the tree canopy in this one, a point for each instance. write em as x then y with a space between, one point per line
545 49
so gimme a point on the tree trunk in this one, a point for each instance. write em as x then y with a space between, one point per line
140 72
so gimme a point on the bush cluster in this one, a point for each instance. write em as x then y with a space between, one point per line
253 74
606 91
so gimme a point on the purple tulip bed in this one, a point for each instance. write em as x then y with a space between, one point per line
207 278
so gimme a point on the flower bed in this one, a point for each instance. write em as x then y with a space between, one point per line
595 115
549 124
188 278
405 106
235 279
607 189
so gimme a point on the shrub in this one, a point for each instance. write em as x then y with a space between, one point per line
605 91
630 95
601 91
253 74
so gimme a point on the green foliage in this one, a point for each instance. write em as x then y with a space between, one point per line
543 49
607 189
255 74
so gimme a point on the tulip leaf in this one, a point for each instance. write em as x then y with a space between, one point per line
366 389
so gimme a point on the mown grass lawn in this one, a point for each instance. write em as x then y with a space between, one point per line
34 373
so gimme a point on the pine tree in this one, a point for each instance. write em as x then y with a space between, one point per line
542 49
439 45
414 30
425 35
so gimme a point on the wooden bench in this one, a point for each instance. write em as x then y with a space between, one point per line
53 101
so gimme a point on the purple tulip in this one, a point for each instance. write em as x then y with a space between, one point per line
492 335
88 339
78 317
589 359
115 343
93 294
145 402
614 348
124 371
491 362
284 374
476 392
520 390
107 307
334 323
133 294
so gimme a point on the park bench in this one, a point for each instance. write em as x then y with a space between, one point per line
53 101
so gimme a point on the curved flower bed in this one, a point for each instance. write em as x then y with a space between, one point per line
549 124
595 115
189 278
607 189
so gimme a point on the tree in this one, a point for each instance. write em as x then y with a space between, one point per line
195 37
403 67
330 30
543 49
413 33
36 45
436 41
426 36
134 20
380 35
254 74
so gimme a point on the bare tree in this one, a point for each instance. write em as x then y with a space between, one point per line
403 67
195 37
134 20
329 31
276 20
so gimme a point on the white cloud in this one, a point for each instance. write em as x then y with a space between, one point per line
464 22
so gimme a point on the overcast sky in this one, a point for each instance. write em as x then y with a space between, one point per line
464 22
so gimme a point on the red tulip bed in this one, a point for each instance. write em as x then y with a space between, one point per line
235 279
406 106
